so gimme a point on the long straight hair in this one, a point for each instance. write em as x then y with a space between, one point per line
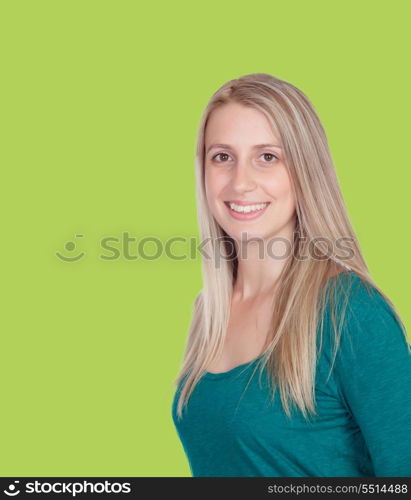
300 299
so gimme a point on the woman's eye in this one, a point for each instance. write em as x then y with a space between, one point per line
219 154
269 154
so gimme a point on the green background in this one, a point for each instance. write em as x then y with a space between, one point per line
101 102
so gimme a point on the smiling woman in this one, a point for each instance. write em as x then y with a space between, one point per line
240 182
313 320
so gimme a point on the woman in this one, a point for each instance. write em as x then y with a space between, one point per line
287 290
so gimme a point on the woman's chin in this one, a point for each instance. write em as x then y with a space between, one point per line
247 233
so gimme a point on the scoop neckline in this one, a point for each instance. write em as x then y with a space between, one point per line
244 366
233 371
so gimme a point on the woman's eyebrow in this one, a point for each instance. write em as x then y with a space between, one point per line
257 146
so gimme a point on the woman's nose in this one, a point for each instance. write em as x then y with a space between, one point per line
243 178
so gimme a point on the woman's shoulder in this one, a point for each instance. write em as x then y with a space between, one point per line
369 317
360 295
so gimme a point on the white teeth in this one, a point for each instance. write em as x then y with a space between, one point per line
247 208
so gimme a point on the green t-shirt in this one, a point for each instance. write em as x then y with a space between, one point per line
363 422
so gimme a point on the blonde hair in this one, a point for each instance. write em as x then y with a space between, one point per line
291 354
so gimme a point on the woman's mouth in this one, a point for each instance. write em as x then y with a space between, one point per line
246 211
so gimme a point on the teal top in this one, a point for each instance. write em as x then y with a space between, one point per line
363 422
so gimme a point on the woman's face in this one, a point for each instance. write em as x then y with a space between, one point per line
244 165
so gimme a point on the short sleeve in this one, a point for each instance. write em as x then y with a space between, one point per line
373 373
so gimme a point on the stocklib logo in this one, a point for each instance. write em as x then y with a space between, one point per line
12 490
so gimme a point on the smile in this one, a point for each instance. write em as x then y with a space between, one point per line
246 212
